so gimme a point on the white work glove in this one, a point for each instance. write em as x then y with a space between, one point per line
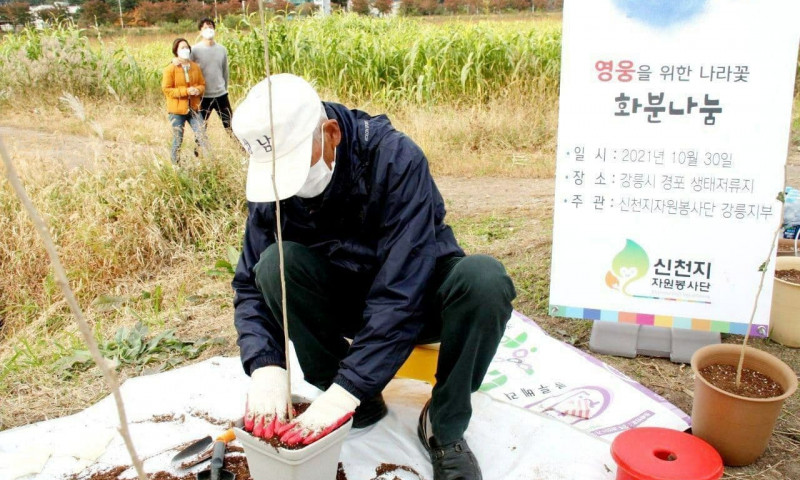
325 414
267 401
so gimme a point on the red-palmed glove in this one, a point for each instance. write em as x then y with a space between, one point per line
267 401
325 414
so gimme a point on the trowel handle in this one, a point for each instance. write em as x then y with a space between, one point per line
217 459
227 436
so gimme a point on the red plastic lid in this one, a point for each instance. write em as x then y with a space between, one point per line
650 453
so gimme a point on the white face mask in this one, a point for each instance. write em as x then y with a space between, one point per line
319 176
207 33
185 53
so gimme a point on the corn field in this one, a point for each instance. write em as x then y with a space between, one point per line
386 61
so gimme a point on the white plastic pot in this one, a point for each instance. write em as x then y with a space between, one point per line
318 461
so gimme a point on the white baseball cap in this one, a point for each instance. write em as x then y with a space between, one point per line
295 113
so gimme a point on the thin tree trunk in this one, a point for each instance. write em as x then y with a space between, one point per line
782 198
109 374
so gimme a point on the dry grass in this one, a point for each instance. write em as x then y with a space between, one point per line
194 304
511 137
127 225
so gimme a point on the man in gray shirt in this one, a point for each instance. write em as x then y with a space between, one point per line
213 60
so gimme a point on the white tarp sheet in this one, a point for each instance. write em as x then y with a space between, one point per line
167 410
535 371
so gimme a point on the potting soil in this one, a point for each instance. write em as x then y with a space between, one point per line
110 474
385 468
753 384
340 474
236 464
791 275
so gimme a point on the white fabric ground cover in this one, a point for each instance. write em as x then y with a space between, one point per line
549 413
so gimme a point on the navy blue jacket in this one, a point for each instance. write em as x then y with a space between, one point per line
386 220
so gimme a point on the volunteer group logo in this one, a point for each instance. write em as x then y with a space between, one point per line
629 266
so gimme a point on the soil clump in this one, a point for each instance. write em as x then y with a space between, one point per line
791 276
753 384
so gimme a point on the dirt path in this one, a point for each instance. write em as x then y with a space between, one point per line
464 196
71 151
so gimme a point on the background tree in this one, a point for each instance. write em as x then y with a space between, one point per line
96 12
129 5
307 8
281 7
150 13
384 6
360 6
429 7
55 15
409 7
17 13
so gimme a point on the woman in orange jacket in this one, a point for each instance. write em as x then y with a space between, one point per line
183 86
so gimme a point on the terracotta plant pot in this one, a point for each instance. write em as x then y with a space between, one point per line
738 427
784 321
318 461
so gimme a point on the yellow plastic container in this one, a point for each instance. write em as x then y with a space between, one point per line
421 364
784 319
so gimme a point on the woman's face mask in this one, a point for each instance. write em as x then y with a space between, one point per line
319 176
184 53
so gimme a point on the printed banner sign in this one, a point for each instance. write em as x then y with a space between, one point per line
673 132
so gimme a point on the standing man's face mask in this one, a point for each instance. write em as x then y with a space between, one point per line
319 176
207 33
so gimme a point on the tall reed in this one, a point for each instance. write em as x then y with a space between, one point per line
387 61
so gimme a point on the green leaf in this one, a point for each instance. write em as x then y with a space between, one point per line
158 296
134 347
233 255
161 337
79 358
108 302
222 264
196 298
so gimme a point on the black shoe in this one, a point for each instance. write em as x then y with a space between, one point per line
453 461
370 412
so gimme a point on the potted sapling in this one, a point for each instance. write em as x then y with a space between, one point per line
739 390
785 315
273 459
